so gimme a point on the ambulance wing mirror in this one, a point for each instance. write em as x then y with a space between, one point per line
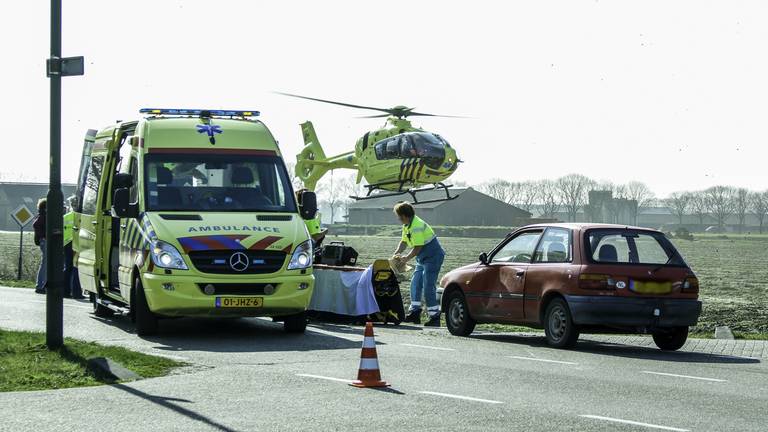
122 206
307 205
123 180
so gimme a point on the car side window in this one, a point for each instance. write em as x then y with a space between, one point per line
519 249
555 247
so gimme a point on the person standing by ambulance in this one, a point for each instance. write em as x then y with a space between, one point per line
71 281
39 228
429 255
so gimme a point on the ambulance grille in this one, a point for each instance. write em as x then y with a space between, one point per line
217 262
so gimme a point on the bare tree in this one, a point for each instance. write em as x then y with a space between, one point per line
679 203
334 192
640 193
759 207
721 201
295 181
699 206
501 189
549 198
528 195
741 206
572 190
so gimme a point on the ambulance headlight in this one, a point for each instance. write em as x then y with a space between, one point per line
302 256
164 255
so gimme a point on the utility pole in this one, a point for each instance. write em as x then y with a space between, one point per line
56 68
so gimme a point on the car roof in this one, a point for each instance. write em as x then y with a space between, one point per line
583 226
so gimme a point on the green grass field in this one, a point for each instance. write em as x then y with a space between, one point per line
733 273
26 364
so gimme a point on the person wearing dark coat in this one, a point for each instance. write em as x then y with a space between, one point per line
39 227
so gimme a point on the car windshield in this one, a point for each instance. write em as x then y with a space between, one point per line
623 246
211 182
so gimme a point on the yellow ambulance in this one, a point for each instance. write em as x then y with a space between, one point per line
191 213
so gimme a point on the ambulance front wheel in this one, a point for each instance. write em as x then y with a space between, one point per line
145 320
295 323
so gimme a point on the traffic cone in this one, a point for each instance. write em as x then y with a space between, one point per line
368 375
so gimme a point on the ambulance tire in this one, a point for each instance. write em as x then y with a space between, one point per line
145 320
100 310
295 323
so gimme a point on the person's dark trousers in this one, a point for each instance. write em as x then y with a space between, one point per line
71 281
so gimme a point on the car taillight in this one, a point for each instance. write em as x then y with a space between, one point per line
596 281
691 285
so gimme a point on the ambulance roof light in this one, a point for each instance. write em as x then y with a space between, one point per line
198 112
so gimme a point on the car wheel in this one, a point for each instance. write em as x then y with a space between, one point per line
558 325
457 317
99 310
671 339
295 323
146 320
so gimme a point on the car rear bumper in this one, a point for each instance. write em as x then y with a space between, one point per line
633 312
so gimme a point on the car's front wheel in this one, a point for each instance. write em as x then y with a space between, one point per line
671 339
457 317
559 328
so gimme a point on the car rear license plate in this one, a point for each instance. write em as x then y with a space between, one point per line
650 287
239 302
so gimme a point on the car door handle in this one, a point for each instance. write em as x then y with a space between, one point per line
94 222
520 273
75 228
123 226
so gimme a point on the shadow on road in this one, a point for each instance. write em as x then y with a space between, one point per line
620 350
168 403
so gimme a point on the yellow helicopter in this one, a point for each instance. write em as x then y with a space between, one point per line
395 160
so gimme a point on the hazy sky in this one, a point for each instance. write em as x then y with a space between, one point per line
674 94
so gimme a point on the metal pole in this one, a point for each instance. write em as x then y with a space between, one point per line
54 336
21 249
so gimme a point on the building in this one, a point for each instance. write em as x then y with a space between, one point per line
469 208
12 195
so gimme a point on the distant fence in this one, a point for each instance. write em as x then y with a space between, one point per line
445 231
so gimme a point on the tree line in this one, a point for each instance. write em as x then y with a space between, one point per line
570 194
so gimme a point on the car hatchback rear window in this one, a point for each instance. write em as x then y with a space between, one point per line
622 246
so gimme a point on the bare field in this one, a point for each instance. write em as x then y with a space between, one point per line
733 273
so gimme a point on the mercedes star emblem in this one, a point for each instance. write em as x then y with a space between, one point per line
239 262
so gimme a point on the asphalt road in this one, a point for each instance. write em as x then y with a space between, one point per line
247 375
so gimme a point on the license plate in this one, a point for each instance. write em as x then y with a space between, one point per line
651 287
239 302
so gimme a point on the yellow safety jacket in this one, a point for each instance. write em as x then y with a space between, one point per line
69 222
417 233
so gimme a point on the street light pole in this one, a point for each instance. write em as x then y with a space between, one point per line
54 315
57 67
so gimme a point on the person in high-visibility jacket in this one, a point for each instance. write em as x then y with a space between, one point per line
429 254
71 280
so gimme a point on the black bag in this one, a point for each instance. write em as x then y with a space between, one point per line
386 289
337 254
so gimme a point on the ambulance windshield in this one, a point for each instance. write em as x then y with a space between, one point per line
216 182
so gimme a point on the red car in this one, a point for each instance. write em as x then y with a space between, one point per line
573 278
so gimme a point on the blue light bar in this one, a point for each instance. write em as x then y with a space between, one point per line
198 112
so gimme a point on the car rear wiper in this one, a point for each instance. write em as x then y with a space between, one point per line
669 260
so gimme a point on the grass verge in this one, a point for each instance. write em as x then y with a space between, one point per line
15 283
26 363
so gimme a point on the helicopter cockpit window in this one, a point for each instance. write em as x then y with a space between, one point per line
429 147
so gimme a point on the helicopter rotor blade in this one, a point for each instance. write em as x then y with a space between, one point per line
334 102
374 116
418 114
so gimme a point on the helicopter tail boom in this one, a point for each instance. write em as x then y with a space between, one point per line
312 164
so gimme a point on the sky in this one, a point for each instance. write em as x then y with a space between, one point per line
673 94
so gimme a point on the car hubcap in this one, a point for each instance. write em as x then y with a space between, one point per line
557 323
457 312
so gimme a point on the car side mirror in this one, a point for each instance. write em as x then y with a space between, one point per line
307 205
122 180
122 206
483 258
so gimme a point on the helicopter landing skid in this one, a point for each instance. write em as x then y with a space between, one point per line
402 191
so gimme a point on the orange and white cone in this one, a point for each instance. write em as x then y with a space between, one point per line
368 374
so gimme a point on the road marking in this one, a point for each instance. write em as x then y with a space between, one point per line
543 360
346 381
685 376
428 347
634 423
467 398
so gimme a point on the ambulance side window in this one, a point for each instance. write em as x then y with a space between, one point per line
91 186
135 175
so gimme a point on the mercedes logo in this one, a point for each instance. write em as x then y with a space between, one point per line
239 262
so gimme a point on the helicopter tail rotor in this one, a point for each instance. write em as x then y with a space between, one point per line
310 166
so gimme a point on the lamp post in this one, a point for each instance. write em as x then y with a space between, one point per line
57 67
